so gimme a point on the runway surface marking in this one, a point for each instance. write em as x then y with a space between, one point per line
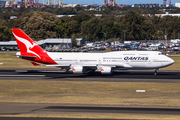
140 90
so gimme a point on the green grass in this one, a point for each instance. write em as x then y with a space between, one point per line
100 93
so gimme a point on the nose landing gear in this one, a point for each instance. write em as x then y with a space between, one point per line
155 72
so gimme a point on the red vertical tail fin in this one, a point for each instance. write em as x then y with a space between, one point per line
30 48
26 45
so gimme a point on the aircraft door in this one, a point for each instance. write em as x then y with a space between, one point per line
99 60
76 60
149 62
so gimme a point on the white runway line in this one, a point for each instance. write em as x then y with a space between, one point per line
140 90
40 71
22 75
1 63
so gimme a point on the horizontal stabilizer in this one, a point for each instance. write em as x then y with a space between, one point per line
20 56
35 64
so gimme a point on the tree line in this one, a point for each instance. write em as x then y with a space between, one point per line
130 26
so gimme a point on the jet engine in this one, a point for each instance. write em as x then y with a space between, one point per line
105 70
77 69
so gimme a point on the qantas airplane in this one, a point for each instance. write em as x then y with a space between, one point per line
103 63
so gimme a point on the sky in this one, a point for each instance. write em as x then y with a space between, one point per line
99 2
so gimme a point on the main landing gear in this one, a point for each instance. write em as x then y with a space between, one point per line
155 72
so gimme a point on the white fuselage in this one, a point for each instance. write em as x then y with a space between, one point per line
115 60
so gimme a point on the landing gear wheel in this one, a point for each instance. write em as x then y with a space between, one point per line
155 72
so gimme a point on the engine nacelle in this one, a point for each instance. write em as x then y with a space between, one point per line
106 70
77 69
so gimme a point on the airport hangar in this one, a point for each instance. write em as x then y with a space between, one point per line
53 42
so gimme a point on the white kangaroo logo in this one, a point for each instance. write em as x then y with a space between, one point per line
27 44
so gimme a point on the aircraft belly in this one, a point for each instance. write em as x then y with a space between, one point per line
136 64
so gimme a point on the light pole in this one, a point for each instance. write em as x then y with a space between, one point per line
125 34
166 37
165 34
105 35
178 33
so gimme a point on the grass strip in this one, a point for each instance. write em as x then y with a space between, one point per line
96 93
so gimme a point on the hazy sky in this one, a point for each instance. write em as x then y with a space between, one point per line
99 2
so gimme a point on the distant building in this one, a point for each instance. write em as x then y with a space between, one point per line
46 42
13 17
61 42
7 3
84 5
8 44
94 9
69 5
53 42
98 15
80 41
64 15
146 5
177 4
162 15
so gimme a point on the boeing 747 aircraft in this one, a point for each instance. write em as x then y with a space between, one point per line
103 63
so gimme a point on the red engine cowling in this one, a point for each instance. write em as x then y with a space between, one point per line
106 70
77 69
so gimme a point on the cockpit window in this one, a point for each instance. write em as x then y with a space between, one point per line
160 54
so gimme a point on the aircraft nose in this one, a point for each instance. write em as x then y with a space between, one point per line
168 62
171 61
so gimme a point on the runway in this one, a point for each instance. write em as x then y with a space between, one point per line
117 76
20 109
